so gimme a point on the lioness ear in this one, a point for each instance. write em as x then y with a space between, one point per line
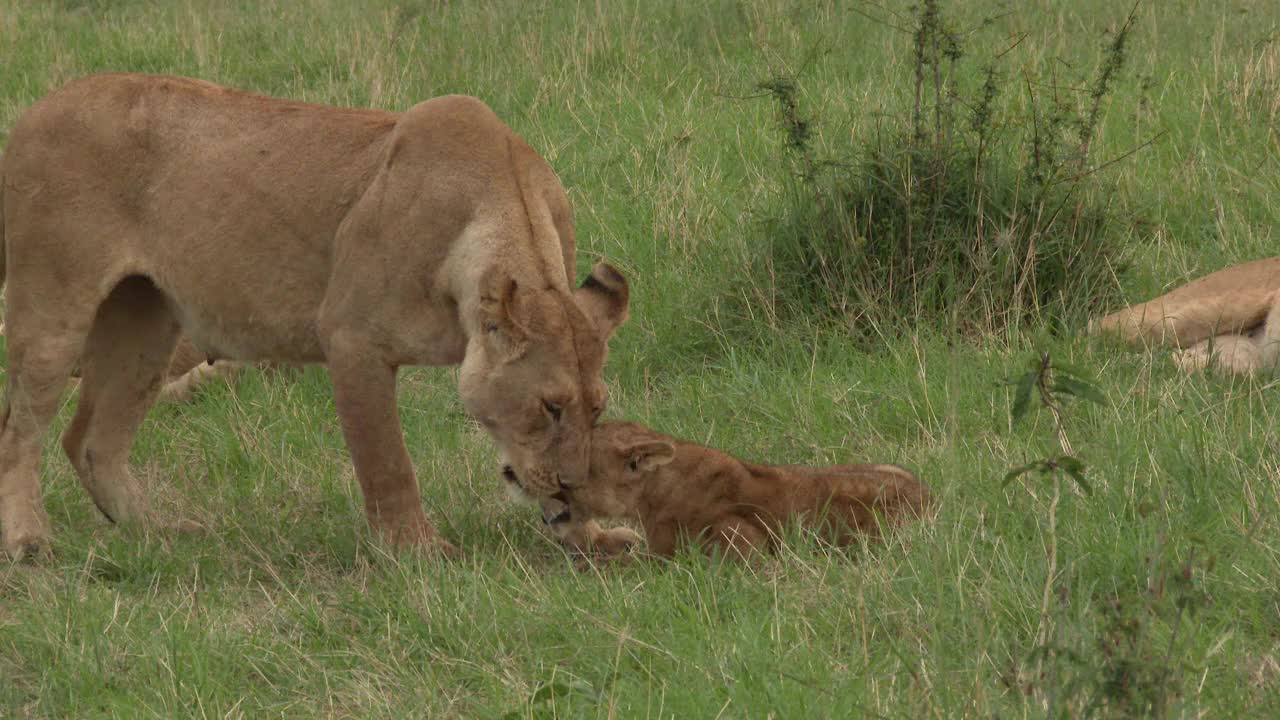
502 332
650 454
604 297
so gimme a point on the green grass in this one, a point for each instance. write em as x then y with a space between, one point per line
283 607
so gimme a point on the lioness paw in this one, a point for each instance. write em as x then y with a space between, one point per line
29 549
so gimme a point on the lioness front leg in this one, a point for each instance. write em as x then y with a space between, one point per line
364 390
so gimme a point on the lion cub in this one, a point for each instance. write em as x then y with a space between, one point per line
678 490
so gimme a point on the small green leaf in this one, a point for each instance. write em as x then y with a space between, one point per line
1021 470
1067 462
1079 388
1022 395
1073 467
1061 368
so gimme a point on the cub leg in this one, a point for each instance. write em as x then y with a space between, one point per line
122 369
739 538
40 363
580 535
364 390
183 387
587 536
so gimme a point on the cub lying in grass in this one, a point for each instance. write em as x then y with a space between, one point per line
680 491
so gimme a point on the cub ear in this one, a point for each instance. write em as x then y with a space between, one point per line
503 333
650 454
604 297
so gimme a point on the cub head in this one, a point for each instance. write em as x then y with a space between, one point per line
532 375
623 457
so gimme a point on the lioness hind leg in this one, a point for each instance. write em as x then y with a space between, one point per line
123 367
39 366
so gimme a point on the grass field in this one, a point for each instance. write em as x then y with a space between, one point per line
1157 594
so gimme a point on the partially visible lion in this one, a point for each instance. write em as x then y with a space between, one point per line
138 208
1229 319
684 492
189 369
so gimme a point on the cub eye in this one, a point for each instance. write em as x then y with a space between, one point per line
633 464
595 414
553 409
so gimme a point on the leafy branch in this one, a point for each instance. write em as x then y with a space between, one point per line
1053 384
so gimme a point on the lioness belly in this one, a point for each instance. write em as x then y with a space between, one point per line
234 334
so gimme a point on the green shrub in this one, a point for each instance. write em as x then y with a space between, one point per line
968 216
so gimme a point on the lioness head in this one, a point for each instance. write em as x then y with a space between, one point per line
623 457
532 375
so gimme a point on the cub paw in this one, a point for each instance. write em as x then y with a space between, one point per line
616 541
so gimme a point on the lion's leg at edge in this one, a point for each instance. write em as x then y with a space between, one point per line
123 366
39 367
364 391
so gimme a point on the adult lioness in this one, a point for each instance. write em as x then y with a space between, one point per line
267 229
1229 318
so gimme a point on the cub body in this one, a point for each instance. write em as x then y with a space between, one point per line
680 491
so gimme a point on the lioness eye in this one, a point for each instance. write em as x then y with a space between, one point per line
595 415
633 464
553 409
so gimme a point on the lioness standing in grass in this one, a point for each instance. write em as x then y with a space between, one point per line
682 491
134 207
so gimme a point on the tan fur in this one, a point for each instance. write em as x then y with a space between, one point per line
135 207
188 370
678 490
1229 319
